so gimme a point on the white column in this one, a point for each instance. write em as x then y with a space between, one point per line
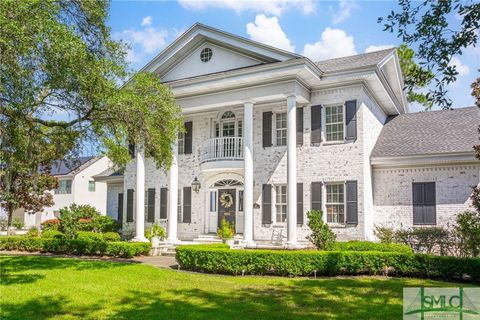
291 171
173 198
248 173
140 197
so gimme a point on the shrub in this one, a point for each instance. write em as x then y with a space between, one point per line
325 263
322 237
226 230
89 235
155 231
104 224
70 218
111 236
53 234
468 231
371 246
75 246
384 234
32 232
51 224
18 224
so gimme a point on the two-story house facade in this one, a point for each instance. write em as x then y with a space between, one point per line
271 135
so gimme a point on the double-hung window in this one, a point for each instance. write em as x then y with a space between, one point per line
334 123
335 204
281 128
64 187
91 186
281 203
181 143
179 206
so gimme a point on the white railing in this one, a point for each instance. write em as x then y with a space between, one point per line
225 148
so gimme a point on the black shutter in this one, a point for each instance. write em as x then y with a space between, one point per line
187 204
188 137
267 129
131 149
351 119
299 126
266 203
316 196
163 203
130 205
151 205
316 123
424 203
299 203
352 202
120 207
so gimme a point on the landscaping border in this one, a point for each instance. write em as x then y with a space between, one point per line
220 259
75 246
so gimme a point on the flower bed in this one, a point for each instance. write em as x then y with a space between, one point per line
220 259
75 247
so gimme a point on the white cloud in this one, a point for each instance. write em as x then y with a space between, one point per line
146 21
271 7
334 43
345 8
461 68
268 31
379 47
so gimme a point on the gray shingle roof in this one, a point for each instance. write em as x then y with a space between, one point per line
353 62
62 167
433 132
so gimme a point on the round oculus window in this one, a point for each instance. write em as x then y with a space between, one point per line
206 55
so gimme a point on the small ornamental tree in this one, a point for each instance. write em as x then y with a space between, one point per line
322 237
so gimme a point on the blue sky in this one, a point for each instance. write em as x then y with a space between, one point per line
319 30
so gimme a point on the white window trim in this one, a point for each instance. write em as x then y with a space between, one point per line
324 123
274 131
180 206
181 143
274 205
324 203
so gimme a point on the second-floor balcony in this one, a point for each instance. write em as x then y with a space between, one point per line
222 149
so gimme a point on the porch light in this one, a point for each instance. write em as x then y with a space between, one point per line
196 185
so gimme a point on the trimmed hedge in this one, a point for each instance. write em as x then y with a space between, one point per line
53 234
371 246
75 247
205 258
89 235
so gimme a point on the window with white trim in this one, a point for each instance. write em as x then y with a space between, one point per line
181 143
334 123
179 206
213 201
281 203
91 186
240 200
281 128
64 187
335 204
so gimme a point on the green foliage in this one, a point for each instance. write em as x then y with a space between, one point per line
75 246
33 232
226 230
77 218
111 236
89 235
384 234
427 26
414 76
104 224
371 246
322 237
156 231
325 263
51 224
468 231
53 234
17 224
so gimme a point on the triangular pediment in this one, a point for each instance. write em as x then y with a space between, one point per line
183 58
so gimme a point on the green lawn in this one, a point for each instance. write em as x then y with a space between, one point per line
46 288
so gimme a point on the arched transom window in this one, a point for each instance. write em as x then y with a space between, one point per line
227 183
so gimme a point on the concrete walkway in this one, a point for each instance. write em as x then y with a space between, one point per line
158 261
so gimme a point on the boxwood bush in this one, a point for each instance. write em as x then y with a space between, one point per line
89 235
325 263
75 246
371 246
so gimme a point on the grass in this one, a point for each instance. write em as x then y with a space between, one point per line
33 287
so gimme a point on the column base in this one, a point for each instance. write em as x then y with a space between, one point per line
294 246
173 241
140 239
248 244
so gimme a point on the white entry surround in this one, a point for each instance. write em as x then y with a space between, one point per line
276 136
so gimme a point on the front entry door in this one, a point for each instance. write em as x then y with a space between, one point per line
226 205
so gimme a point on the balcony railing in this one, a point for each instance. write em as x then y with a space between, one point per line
225 148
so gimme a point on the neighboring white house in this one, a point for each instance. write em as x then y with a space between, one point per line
76 185
271 135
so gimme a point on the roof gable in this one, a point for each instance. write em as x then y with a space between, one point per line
243 52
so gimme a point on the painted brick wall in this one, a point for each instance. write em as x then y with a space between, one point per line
393 192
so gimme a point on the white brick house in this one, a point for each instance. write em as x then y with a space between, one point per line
271 135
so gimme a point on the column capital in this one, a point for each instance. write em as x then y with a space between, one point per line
250 101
